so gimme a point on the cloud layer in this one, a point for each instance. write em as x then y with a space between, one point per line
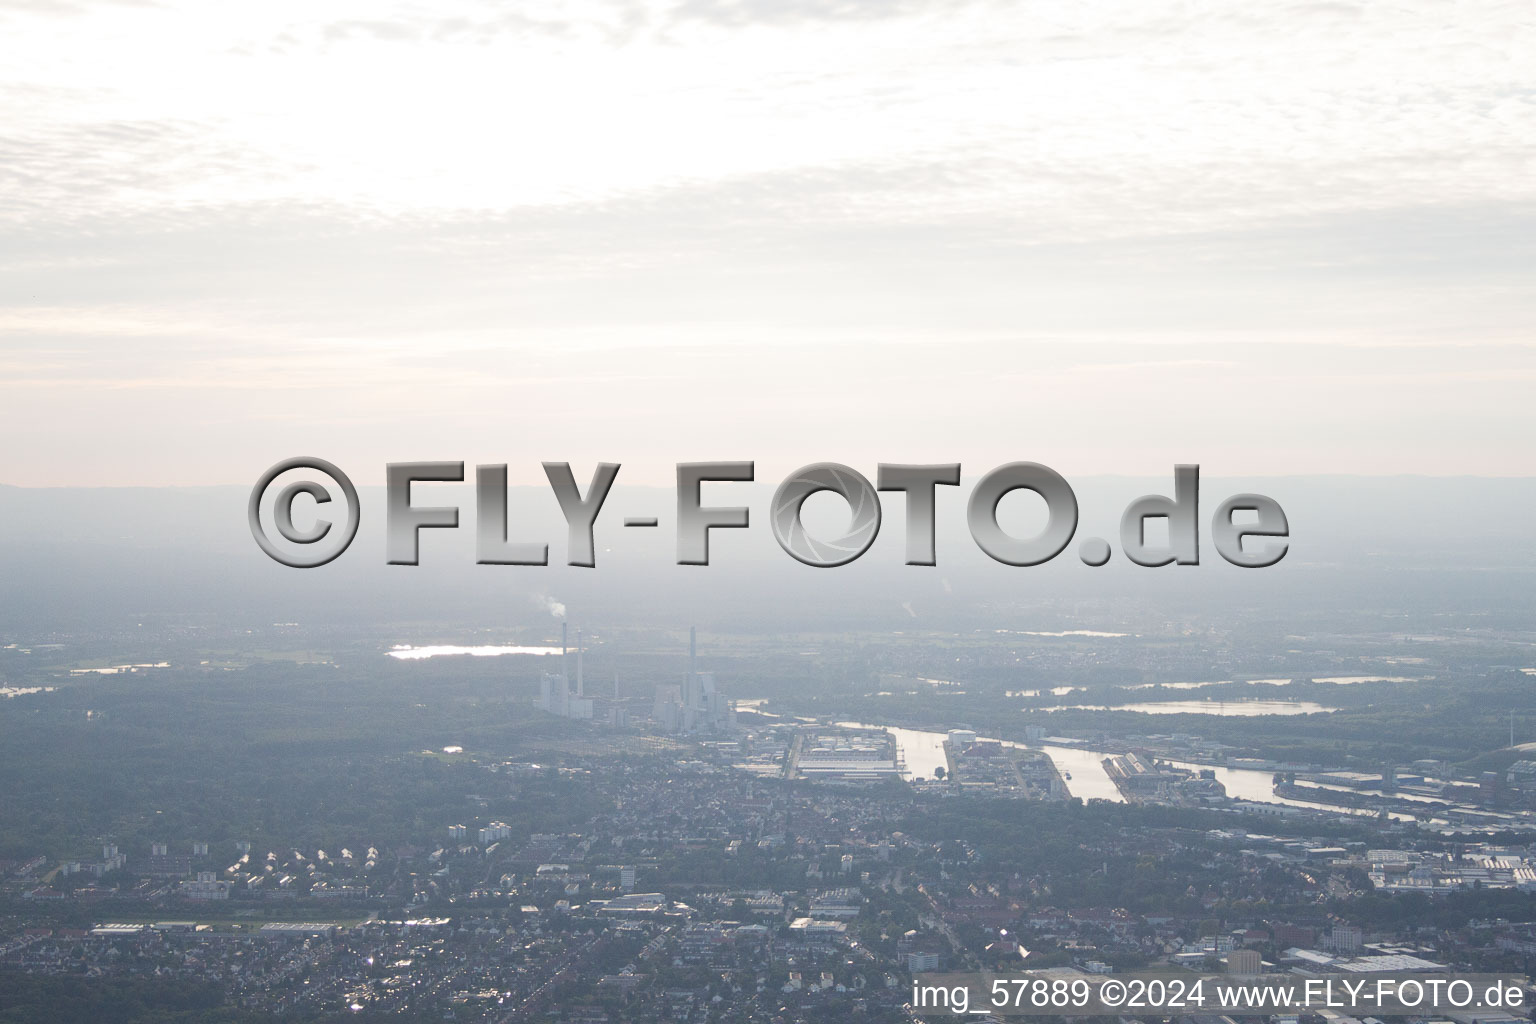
1297 235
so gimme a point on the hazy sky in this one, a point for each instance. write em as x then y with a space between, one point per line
1277 238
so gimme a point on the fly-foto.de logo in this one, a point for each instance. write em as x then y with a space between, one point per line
1248 530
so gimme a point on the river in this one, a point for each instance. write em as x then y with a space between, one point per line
923 751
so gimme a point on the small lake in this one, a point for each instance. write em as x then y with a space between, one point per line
1219 708
1055 691
1208 682
115 670
405 652
1350 680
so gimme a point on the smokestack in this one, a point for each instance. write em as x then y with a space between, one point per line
691 680
565 664
580 686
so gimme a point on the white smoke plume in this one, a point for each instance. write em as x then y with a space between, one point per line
549 604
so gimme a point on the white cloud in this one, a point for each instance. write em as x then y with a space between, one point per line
1104 117
1009 216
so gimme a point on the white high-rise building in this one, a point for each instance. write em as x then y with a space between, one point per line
553 695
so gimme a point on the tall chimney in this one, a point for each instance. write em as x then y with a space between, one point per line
565 669
691 684
580 686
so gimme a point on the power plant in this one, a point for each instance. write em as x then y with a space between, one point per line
555 694
694 706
